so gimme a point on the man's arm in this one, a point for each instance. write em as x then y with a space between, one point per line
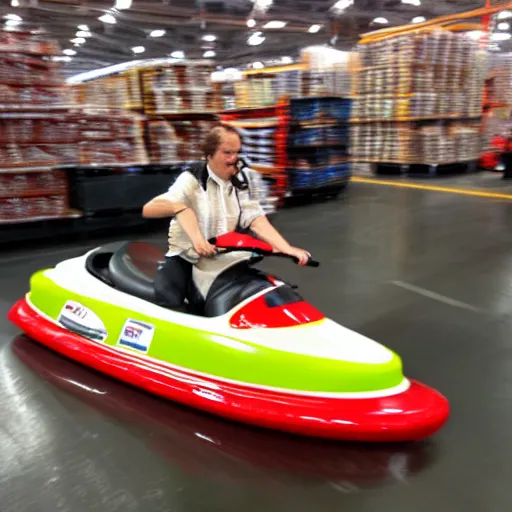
188 221
262 227
172 204
161 207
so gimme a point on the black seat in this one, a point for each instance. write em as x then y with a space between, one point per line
97 261
232 287
133 268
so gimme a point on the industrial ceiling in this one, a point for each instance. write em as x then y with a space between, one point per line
132 24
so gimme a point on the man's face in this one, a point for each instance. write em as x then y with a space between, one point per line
223 162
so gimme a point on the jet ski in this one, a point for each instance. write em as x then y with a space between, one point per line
253 350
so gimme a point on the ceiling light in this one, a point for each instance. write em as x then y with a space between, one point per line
262 5
503 15
12 23
258 65
275 24
209 54
123 4
342 5
500 36
178 54
503 26
83 27
314 28
475 34
157 33
251 23
60 58
419 19
382 21
15 3
210 38
14 17
138 49
255 39
286 60
417 3
78 40
69 52
107 18
83 33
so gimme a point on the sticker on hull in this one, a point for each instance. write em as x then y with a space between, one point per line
136 335
77 318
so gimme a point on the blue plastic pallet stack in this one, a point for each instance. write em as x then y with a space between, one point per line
332 176
318 143
259 145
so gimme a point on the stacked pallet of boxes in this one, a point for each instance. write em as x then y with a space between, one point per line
419 100
110 120
180 104
36 132
497 126
110 138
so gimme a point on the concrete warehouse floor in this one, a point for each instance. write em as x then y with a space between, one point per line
426 273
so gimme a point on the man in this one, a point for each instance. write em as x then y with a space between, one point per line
207 202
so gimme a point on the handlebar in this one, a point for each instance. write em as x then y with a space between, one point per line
310 263
262 252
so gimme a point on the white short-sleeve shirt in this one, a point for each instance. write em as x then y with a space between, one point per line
219 209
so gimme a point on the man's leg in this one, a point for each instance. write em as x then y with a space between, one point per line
172 281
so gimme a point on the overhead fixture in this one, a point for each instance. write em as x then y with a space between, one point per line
256 39
341 6
78 40
15 3
475 34
107 18
504 15
61 58
262 5
69 52
381 21
275 24
12 23
251 23
138 49
419 19
500 36
258 65
13 17
417 3
178 54
286 60
83 33
157 33
209 37
314 29
209 54
123 4
85 28
503 26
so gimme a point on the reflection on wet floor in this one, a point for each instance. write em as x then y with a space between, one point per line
176 433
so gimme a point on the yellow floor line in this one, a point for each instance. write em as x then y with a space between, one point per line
434 188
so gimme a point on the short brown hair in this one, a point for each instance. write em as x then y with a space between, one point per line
213 139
